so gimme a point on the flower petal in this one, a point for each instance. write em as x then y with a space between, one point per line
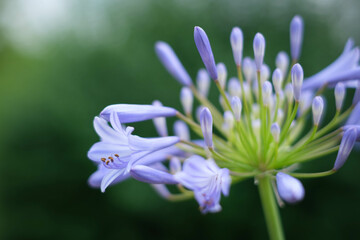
151 175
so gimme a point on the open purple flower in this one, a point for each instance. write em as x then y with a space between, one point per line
119 149
207 181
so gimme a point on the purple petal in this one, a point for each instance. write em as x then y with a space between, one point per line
128 113
346 145
150 175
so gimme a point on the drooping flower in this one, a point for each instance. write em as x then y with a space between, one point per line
207 181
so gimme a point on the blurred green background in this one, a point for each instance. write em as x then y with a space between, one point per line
63 61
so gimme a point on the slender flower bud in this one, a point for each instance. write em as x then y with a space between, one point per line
237 41
234 87
289 92
248 69
296 36
182 130
203 82
346 145
228 121
186 99
356 98
267 92
290 189
339 92
222 74
172 64
277 79
160 122
265 73
317 109
297 77
206 123
282 62
204 48
275 131
280 116
259 50
236 107
175 165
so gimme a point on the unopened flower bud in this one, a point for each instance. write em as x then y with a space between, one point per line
267 92
296 36
248 68
160 122
275 131
339 92
282 62
297 77
182 130
236 107
198 112
222 74
204 48
265 73
289 188
317 109
346 145
277 79
237 41
289 92
175 165
228 121
203 82
206 123
186 99
172 64
234 87
259 50
280 116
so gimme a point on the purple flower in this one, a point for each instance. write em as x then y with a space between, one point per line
118 150
344 68
317 109
354 118
151 175
207 181
297 76
128 113
290 189
296 36
172 63
346 145
206 123
204 48
237 42
259 50
339 93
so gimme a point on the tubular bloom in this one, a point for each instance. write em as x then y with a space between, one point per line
259 133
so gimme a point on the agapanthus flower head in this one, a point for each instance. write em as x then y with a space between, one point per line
255 133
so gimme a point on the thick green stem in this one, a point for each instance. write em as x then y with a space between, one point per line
270 208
